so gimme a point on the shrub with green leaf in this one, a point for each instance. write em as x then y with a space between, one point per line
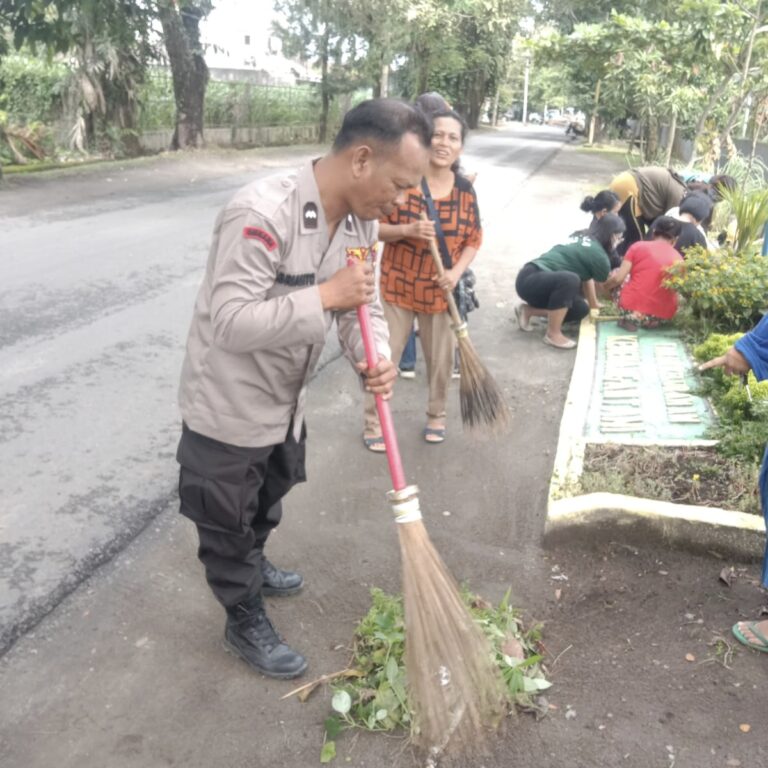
723 289
374 693
31 88
743 413
750 210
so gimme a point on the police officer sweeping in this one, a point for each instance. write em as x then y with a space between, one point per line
275 280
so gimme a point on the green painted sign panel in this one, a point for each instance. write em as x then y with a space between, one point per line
643 389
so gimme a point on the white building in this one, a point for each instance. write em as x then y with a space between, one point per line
239 45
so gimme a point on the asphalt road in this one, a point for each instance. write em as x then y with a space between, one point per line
98 272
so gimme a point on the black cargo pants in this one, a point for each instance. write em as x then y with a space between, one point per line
233 495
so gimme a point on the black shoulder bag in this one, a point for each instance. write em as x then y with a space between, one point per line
464 292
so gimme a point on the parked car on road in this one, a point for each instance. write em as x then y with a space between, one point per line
535 117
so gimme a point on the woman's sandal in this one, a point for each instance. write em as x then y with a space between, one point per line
375 444
627 325
761 644
434 434
519 315
569 344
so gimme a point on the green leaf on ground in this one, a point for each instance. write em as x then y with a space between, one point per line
328 752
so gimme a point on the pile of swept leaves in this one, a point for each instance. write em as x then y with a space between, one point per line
373 694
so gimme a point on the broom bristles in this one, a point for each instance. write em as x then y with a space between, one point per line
455 686
482 402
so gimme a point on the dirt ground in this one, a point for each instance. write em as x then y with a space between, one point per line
682 475
129 673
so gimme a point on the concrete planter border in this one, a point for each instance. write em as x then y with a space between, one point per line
572 515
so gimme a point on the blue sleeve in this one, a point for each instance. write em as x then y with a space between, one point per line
754 346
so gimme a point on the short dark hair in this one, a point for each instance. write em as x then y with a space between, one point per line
454 116
605 200
382 121
667 227
697 204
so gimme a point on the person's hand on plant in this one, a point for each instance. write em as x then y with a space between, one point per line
732 362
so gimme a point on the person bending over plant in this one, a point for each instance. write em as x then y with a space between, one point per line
560 284
643 300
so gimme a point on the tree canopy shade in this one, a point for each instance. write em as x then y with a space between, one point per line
36 23
320 31
108 49
692 66
458 47
110 43
699 66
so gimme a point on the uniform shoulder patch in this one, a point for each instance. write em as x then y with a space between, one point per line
309 215
256 233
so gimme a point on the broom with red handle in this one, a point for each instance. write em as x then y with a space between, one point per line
482 402
455 689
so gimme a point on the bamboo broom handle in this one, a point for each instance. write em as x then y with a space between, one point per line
396 471
453 310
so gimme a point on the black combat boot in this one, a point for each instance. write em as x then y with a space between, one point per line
277 582
250 635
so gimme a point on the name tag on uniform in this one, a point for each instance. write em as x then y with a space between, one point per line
308 278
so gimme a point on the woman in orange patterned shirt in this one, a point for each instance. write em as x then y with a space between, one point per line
410 287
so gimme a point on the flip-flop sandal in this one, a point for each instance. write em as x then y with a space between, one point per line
434 434
375 444
762 646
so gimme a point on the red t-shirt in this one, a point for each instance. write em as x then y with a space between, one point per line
643 291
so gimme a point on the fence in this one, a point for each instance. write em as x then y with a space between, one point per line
232 103
236 113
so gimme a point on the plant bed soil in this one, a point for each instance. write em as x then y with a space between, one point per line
682 475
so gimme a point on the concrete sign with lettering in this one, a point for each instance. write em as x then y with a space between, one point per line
644 389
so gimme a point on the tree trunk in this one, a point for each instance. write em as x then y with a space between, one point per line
671 139
476 97
717 94
760 110
495 111
422 57
652 138
189 70
743 91
732 118
380 82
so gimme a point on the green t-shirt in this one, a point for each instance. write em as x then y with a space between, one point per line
584 256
